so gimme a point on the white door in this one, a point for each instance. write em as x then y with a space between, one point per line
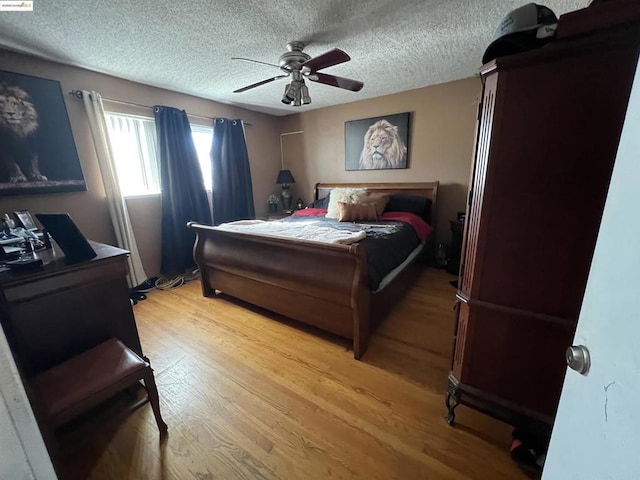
596 435
23 455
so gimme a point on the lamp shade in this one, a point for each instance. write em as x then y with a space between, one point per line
284 176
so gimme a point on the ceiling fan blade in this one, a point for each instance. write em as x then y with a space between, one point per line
340 82
249 87
254 61
332 57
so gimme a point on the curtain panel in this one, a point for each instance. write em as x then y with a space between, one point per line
115 201
184 198
232 187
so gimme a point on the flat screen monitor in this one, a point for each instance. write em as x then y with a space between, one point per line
67 235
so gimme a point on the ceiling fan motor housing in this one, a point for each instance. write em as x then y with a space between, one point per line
294 57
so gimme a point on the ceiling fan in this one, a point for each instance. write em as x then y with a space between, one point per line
300 65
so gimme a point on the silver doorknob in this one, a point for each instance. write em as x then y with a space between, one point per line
578 359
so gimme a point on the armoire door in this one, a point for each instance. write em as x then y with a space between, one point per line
476 193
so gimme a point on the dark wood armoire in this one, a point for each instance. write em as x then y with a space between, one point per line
548 129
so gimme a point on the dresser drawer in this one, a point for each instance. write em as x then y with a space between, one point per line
22 292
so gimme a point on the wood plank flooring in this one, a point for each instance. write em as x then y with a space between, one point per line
249 397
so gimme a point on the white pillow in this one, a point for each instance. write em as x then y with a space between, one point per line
345 195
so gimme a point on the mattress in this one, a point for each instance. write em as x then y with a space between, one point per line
388 243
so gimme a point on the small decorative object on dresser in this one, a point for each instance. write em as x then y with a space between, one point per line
25 220
8 222
272 203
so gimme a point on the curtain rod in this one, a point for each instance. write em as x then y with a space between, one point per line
78 94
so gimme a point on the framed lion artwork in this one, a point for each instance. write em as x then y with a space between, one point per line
377 143
38 153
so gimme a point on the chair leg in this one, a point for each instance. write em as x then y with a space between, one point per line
152 390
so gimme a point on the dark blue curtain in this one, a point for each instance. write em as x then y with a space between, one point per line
232 189
183 195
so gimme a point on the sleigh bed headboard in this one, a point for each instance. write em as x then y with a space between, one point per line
421 189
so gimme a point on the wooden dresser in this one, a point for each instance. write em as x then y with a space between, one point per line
548 130
56 312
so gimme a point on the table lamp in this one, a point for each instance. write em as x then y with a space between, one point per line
285 178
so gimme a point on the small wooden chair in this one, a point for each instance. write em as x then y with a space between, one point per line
82 382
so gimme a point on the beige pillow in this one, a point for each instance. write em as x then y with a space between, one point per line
380 200
350 212
346 195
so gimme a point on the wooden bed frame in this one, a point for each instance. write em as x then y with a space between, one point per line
323 285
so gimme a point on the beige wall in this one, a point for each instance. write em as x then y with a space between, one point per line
440 143
89 208
440 147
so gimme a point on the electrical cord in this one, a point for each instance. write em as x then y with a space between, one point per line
171 283
192 275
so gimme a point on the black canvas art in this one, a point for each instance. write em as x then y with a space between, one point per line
377 143
38 154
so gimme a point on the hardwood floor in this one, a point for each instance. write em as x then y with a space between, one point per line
252 398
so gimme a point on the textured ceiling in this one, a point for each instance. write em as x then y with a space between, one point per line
187 46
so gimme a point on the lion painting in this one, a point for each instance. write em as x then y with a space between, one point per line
383 147
18 126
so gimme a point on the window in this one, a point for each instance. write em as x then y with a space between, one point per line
202 138
133 142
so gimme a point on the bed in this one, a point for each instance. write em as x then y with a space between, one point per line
323 285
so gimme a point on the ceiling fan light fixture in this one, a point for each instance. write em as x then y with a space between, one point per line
292 93
306 99
286 96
